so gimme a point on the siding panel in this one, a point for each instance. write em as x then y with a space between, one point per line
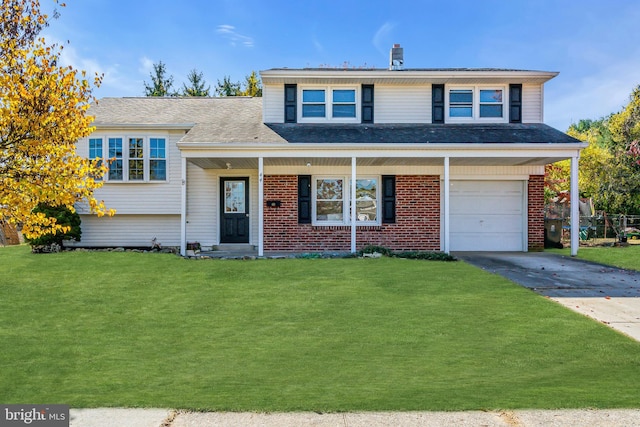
402 104
273 103
129 230
532 103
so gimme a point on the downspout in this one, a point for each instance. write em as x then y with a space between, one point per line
260 206
575 203
353 205
445 208
183 208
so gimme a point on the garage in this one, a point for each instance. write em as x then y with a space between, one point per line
487 216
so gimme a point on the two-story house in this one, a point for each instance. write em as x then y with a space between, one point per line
333 160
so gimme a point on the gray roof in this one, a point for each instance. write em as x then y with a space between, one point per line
239 119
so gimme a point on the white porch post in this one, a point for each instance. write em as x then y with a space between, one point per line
575 203
183 208
445 208
353 205
260 206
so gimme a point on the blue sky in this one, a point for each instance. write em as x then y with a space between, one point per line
594 44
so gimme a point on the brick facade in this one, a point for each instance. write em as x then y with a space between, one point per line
417 225
535 206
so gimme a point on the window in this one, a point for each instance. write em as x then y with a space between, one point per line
116 172
313 103
138 159
157 160
490 102
332 201
95 152
466 104
329 103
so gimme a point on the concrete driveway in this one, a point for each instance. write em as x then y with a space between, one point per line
608 294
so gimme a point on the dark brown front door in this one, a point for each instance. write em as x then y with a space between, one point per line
234 205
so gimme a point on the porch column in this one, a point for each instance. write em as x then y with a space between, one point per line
445 207
183 208
575 203
353 205
260 206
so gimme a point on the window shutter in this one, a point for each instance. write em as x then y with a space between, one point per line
290 101
367 103
388 199
304 199
437 103
515 103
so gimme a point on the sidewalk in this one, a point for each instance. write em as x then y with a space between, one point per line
111 417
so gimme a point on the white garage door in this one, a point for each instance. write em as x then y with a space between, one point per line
487 216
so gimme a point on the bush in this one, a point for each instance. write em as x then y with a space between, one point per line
54 242
426 255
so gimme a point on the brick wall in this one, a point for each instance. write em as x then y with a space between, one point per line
417 225
536 212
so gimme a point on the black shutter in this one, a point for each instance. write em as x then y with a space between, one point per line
304 199
290 101
367 103
437 103
515 103
388 199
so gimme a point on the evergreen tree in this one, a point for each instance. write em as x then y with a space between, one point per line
253 85
196 85
161 84
228 88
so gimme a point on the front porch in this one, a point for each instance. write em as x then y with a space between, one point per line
274 172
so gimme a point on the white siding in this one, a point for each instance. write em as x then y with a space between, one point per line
532 102
273 103
402 104
142 198
203 204
129 230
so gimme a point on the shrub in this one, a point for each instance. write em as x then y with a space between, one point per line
54 241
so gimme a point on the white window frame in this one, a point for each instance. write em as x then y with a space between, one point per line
475 116
346 200
328 102
146 149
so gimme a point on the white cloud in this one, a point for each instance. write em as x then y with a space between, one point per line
146 65
381 40
229 32
602 91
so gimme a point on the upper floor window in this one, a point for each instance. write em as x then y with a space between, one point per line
328 104
133 159
466 104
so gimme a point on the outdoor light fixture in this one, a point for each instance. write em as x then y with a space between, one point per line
228 165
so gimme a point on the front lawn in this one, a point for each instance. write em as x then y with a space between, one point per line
154 330
619 256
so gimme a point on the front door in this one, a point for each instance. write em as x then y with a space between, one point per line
234 203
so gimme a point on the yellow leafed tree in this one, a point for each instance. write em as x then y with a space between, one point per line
43 109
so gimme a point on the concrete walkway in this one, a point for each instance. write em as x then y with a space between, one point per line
523 418
607 294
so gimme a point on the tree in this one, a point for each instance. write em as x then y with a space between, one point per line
43 109
253 86
228 88
64 216
161 84
196 85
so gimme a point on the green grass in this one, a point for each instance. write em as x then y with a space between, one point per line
619 256
154 330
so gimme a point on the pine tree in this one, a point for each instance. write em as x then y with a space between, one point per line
196 85
161 85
